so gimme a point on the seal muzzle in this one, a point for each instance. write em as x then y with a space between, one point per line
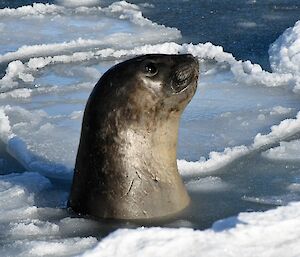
185 72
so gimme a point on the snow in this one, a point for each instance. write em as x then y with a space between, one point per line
23 217
36 9
65 247
243 122
286 151
285 54
272 233
285 51
17 195
209 183
285 129
5 129
215 161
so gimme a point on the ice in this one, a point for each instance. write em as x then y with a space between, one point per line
5 129
247 25
285 51
209 183
55 247
238 140
215 161
285 54
286 151
285 129
274 200
110 26
275 230
279 110
15 69
76 3
35 9
23 217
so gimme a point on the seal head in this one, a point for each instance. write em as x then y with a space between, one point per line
126 164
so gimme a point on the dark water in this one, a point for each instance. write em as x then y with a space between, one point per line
18 3
244 28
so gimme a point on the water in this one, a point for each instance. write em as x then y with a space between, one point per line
226 131
244 28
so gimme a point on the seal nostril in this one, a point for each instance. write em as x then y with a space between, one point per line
185 73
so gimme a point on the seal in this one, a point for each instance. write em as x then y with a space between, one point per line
126 164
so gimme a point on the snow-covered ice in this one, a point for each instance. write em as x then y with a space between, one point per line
273 233
238 143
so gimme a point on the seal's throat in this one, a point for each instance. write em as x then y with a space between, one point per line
147 170
137 176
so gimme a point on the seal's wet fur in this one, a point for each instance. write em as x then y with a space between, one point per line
126 162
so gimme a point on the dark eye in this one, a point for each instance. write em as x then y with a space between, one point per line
150 69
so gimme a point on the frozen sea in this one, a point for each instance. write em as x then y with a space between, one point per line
239 139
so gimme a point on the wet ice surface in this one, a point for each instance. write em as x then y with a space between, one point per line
238 143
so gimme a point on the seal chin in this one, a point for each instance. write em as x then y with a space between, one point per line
185 74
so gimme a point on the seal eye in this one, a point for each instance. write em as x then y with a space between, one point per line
150 69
